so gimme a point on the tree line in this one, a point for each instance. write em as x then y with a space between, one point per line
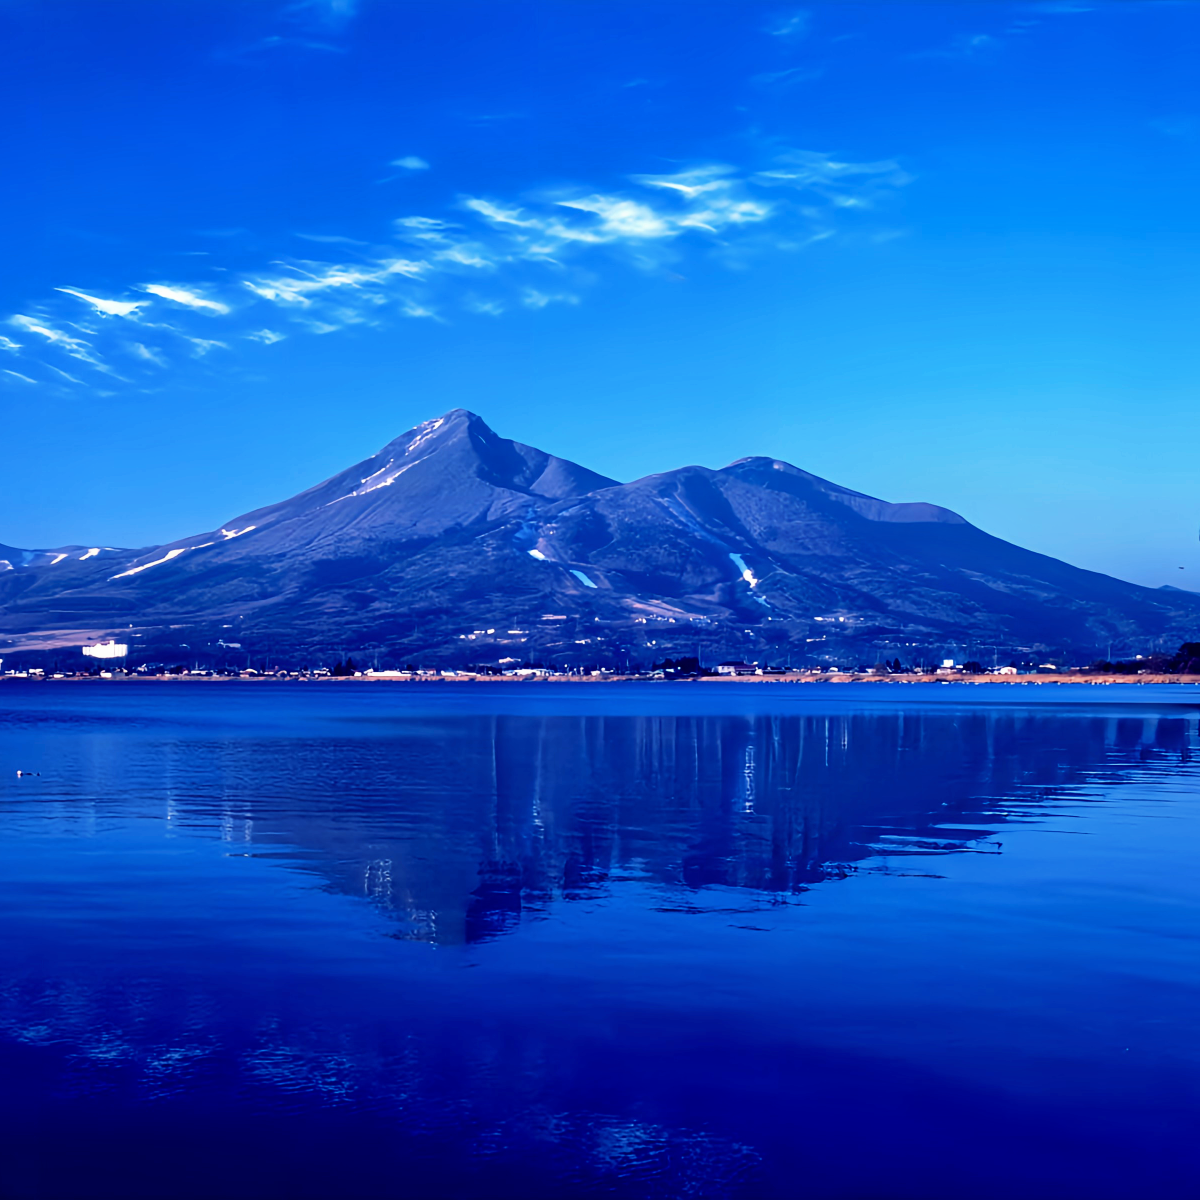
1185 661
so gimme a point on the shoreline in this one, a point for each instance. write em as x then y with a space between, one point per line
791 678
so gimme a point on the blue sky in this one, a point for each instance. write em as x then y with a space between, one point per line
943 252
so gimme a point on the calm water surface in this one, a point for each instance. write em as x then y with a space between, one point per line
632 941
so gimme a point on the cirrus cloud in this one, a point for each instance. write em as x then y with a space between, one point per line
189 299
499 255
110 308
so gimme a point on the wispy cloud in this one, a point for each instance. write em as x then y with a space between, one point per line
491 308
706 198
189 299
149 355
779 81
110 308
411 309
331 14
982 45
331 239
532 298
483 256
307 280
790 25
424 229
965 45
77 348
410 162
465 254
278 42
304 25
842 183
65 374
18 375
617 219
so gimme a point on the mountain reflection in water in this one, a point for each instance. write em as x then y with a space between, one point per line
401 944
458 829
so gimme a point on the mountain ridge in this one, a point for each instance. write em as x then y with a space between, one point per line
450 531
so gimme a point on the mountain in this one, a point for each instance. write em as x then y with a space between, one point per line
453 545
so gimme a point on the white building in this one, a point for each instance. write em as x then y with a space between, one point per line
109 649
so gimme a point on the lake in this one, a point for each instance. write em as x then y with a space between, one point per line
533 940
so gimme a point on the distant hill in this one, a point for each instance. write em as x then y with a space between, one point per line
453 545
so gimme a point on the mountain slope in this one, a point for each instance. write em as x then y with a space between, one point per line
802 548
453 544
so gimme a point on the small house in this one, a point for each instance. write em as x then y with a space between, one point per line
736 668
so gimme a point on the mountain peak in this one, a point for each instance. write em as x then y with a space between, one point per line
782 476
447 472
441 427
480 451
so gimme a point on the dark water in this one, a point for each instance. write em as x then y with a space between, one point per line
539 941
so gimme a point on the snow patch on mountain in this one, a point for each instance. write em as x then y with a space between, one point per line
170 554
386 481
373 482
428 429
747 574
